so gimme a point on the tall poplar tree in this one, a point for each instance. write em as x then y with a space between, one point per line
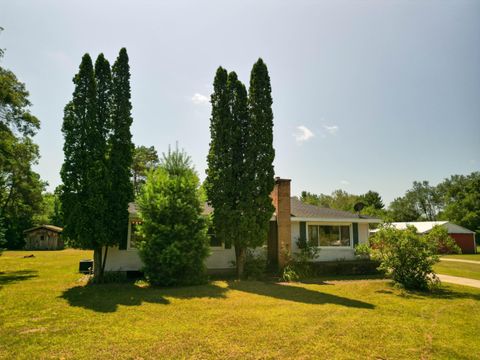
83 172
121 151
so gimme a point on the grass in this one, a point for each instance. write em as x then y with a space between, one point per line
461 269
47 312
474 257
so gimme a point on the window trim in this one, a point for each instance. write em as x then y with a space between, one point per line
317 223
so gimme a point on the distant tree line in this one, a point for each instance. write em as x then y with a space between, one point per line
455 199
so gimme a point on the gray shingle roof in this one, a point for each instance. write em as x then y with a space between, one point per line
298 209
302 210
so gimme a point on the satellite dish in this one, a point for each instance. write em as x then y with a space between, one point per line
358 207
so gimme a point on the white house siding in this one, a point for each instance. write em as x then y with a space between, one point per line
220 258
123 260
332 253
129 260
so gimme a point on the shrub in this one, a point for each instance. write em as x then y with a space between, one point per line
363 250
299 264
174 241
441 242
255 264
406 256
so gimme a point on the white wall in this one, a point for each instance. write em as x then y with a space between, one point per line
332 253
129 260
123 260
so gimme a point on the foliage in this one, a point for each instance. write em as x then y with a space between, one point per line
120 152
255 264
98 155
422 202
441 242
372 199
406 256
461 198
299 263
84 171
342 200
144 160
20 186
363 250
174 242
240 160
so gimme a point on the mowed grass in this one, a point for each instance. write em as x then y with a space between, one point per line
46 312
468 270
474 257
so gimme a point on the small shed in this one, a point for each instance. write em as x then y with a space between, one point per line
44 237
464 238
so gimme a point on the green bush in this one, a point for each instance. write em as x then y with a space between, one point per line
255 264
174 242
406 256
441 242
299 264
363 250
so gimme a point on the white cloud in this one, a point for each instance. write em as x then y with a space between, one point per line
199 99
332 129
303 134
345 182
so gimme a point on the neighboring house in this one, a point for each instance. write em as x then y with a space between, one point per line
336 233
464 238
44 237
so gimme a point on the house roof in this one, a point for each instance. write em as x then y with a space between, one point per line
425 226
307 211
299 210
48 227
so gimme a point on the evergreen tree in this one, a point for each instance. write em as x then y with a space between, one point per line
84 170
259 152
219 175
174 243
144 160
121 151
240 161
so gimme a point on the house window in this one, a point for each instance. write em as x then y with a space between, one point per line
329 235
214 240
134 238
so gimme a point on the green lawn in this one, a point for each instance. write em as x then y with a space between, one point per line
47 312
467 270
474 257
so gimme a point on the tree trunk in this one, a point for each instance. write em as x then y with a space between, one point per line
97 263
240 257
104 261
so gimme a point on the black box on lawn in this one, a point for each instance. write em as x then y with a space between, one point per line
86 266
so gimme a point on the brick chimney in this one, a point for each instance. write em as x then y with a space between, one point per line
281 201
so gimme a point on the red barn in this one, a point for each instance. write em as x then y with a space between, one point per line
464 238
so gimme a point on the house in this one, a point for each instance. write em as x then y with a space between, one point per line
464 238
335 232
44 237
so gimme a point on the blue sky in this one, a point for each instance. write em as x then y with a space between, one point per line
367 94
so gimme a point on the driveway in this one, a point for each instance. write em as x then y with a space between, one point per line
459 280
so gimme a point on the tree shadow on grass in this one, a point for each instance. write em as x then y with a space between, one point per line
11 277
296 294
107 297
437 293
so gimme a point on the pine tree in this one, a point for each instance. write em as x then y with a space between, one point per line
174 244
121 151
